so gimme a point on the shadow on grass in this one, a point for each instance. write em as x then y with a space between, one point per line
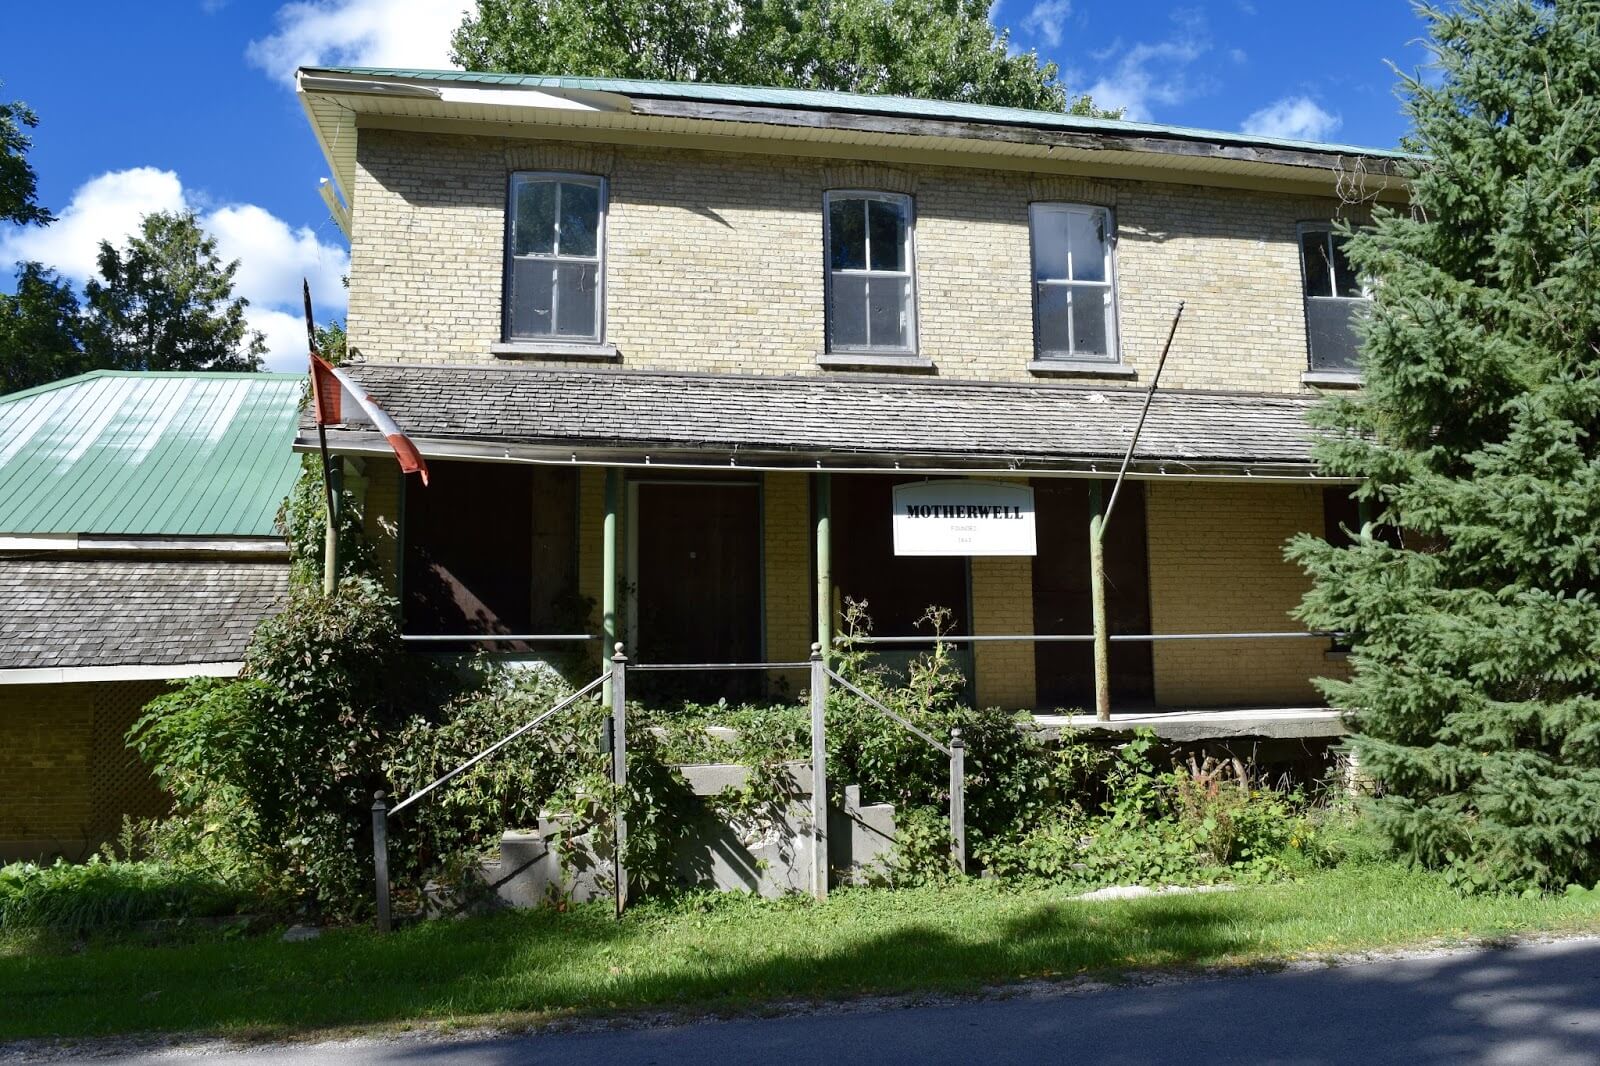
541 963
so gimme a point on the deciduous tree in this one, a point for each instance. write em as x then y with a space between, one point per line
40 330
18 183
939 49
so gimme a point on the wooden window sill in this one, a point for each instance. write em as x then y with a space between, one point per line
1075 368
601 352
868 361
1332 379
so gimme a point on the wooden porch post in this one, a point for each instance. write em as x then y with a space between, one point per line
610 626
824 505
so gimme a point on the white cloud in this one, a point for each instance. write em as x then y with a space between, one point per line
1295 118
1150 74
106 208
1047 19
272 255
359 33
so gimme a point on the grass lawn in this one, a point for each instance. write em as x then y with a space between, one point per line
729 953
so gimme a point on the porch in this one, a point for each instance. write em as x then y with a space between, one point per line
687 542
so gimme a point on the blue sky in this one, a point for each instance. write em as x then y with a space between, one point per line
187 103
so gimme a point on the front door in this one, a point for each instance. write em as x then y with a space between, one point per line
698 586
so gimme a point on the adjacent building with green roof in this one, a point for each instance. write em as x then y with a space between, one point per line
137 547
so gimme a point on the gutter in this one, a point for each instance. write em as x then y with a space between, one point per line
72 675
637 457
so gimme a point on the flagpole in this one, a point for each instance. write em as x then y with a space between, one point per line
330 543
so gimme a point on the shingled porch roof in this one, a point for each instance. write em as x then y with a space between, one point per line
816 422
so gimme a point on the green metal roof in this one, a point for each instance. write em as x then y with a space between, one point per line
149 454
827 100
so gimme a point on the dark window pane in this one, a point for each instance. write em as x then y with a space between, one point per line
849 312
887 222
1053 319
1314 253
1344 278
575 300
1086 232
580 219
531 281
1050 243
888 312
1331 334
1089 333
535 229
847 234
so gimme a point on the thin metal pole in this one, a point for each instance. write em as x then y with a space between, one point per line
619 770
1149 395
958 800
819 774
824 507
380 856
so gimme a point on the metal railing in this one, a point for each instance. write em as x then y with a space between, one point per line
955 751
1086 638
382 812
499 638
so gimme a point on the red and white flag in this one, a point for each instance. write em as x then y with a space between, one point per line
332 388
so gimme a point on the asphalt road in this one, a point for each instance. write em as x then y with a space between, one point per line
1533 1003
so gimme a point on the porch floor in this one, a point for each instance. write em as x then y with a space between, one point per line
1212 723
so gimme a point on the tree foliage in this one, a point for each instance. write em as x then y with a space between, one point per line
40 330
165 302
936 49
1476 686
18 183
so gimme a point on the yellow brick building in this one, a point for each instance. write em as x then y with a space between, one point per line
675 352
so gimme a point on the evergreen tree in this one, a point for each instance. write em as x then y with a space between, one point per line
1475 693
937 49
40 331
165 302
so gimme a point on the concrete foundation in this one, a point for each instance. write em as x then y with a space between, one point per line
767 852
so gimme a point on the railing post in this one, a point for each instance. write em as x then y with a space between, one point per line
958 799
619 769
819 774
380 856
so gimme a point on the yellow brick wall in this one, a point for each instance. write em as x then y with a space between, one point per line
1002 602
591 543
68 777
381 517
1216 565
715 260
786 562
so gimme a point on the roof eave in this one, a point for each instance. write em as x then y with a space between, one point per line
540 105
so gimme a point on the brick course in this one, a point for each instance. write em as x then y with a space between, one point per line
715 260
1216 565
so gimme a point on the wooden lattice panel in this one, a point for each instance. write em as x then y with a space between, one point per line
119 783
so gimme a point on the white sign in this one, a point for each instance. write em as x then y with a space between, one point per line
968 517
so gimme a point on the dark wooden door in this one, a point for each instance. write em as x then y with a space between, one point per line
1064 672
698 591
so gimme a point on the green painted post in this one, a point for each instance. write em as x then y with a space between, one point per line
824 490
608 569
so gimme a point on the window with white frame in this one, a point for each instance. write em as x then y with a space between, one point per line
555 258
871 290
1074 292
1334 296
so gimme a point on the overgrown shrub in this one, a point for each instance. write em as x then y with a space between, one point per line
281 764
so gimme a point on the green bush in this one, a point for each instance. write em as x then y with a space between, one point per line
281 764
79 898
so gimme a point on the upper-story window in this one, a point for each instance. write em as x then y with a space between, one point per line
1334 296
1074 291
871 292
555 258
